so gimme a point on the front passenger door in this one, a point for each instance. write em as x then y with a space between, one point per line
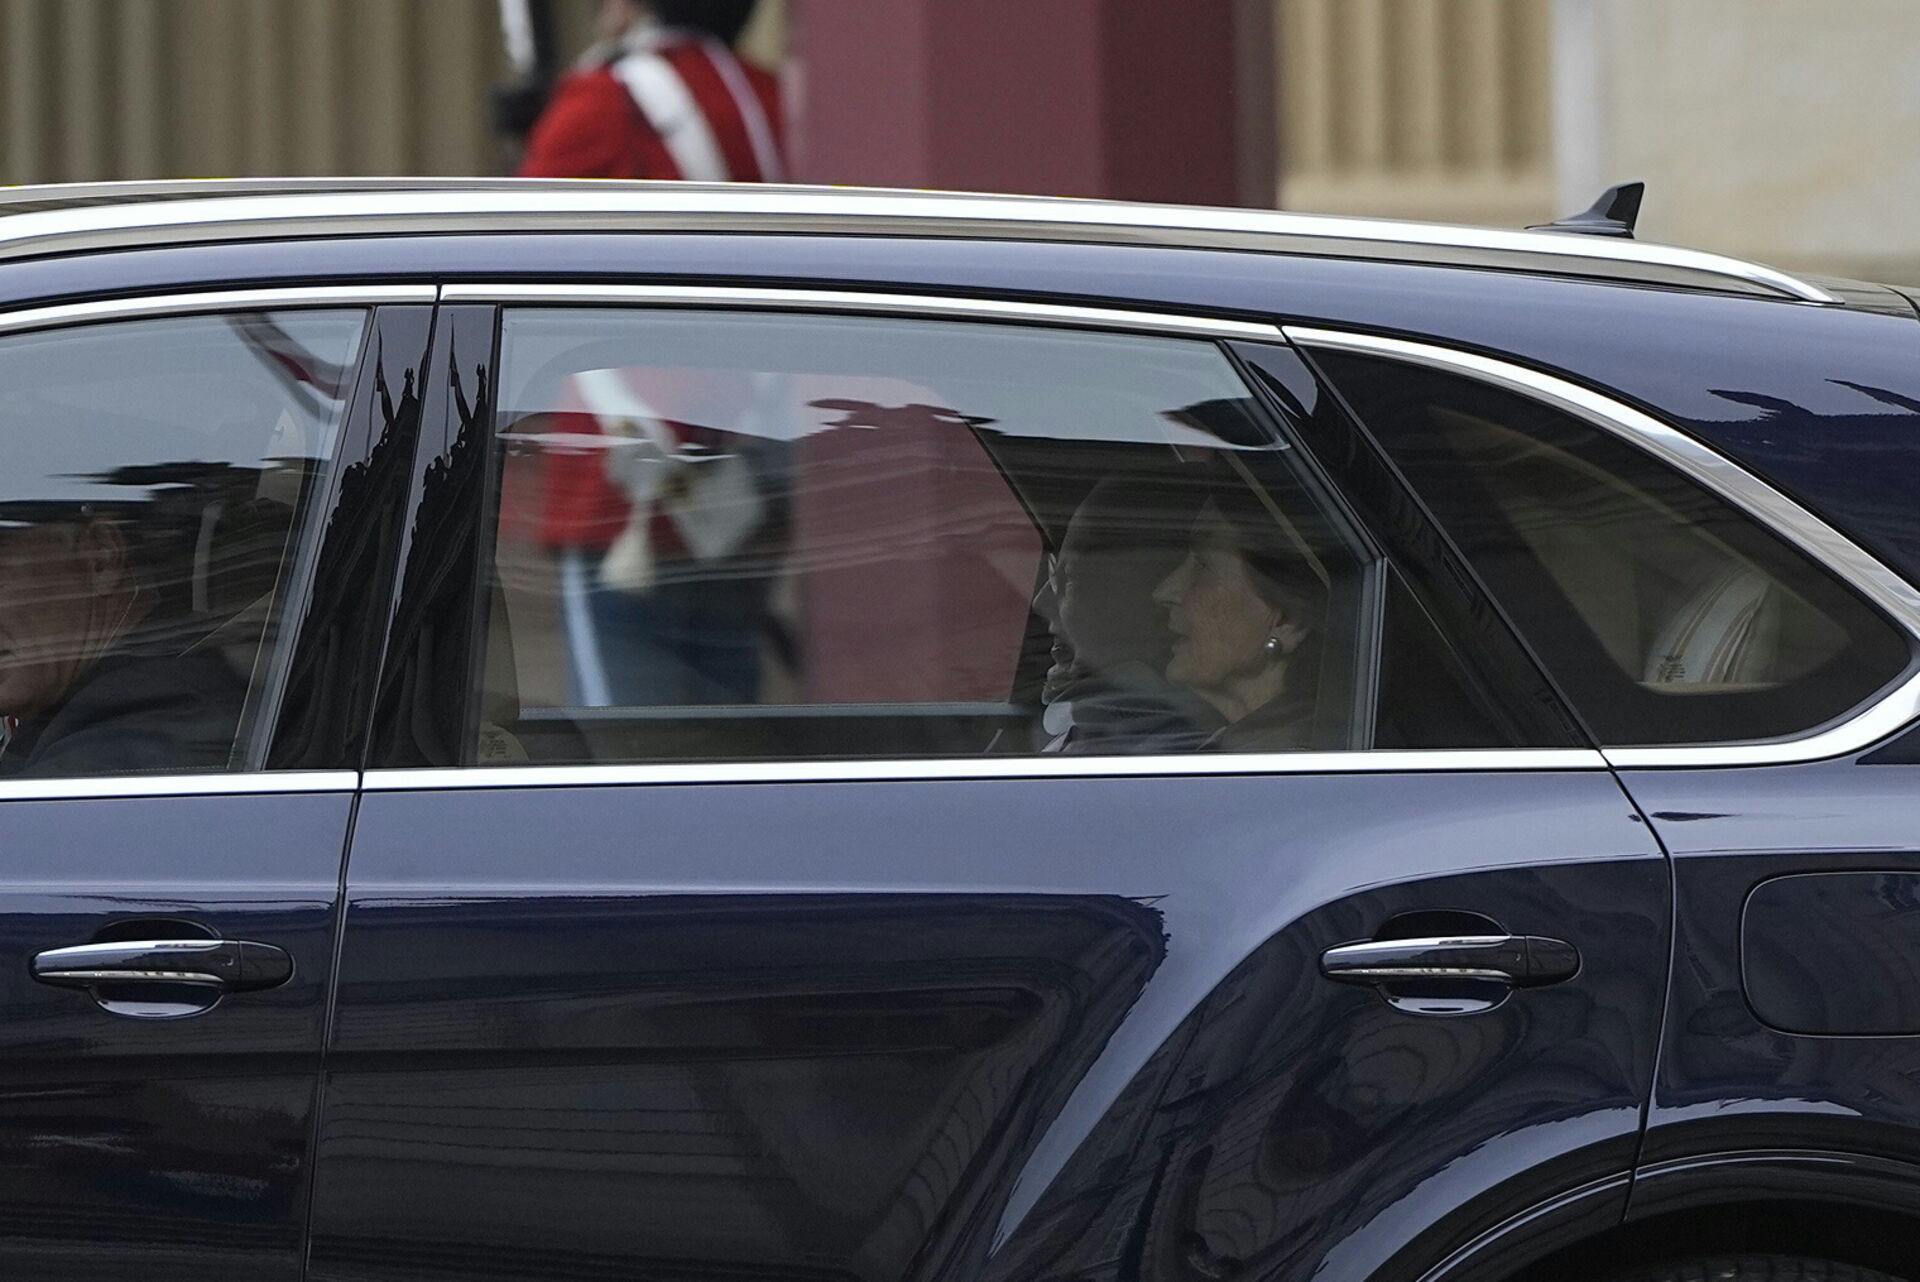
181 494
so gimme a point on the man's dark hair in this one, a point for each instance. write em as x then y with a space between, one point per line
724 20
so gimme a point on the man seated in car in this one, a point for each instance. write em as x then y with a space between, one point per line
92 673
1106 692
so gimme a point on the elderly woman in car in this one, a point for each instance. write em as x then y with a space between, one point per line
91 680
1246 616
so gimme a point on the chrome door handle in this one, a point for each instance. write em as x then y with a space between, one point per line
1523 961
231 966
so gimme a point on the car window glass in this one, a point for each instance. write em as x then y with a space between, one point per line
1665 615
754 536
1428 694
158 482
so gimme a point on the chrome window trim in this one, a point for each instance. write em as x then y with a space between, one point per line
1719 474
256 210
984 768
221 300
936 306
105 787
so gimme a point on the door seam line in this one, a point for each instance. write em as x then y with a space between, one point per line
329 1012
1666 991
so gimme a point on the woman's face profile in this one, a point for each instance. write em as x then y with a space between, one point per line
1219 621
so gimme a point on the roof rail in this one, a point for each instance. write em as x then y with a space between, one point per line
37 221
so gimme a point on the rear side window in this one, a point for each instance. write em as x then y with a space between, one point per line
1665 615
727 536
156 494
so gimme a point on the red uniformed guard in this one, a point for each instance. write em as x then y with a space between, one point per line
663 96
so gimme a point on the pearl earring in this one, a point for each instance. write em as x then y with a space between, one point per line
1272 646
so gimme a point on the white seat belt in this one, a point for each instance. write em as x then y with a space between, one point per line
668 105
766 152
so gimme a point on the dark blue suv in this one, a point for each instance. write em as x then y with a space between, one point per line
652 731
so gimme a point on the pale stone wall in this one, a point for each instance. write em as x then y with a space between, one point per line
1786 131
100 89
94 89
1429 109
1782 130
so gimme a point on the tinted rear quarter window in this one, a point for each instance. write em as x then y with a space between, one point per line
1665 615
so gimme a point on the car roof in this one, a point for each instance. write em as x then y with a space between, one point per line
77 218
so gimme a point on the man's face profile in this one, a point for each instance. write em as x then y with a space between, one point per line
53 579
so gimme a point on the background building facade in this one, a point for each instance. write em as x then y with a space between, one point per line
1778 129
1782 130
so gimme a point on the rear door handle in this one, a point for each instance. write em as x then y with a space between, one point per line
230 966
1523 961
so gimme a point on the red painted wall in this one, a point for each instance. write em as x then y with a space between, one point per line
1134 99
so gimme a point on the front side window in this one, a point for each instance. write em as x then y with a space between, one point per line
1665 615
756 536
156 495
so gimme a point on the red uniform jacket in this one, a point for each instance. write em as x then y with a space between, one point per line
593 128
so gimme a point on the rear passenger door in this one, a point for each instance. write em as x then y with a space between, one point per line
912 788
1749 671
191 562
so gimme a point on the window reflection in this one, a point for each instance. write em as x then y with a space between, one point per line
1666 615
1205 634
740 537
157 472
1108 687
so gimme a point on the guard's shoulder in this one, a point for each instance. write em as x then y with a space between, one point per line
590 87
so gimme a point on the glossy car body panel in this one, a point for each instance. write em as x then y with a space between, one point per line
323 714
1728 1082
1834 953
1830 1180
429 634
1235 1051
141 1148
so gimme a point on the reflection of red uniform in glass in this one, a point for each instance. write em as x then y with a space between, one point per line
601 124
